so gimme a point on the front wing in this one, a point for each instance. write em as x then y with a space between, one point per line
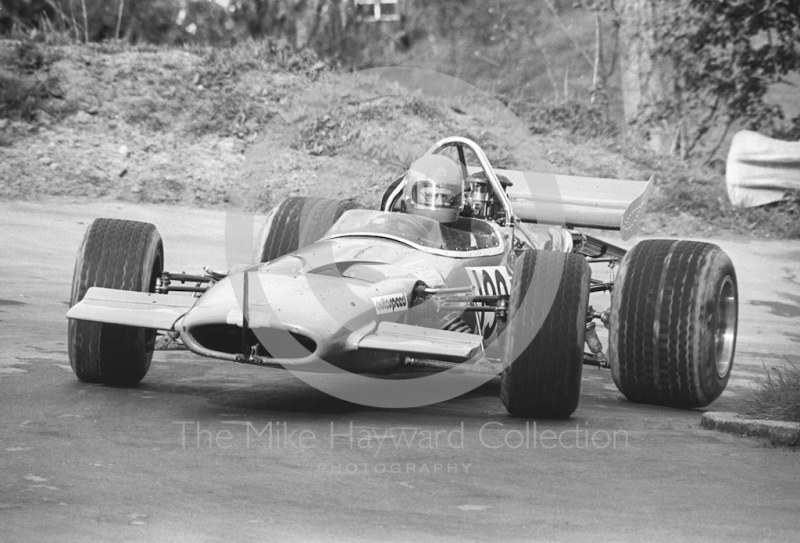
162 312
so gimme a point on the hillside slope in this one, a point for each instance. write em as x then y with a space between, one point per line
251 125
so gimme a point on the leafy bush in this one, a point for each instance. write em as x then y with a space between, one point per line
20 97
791 133
581 119
723 57
267 54
26 82
239 108
344 125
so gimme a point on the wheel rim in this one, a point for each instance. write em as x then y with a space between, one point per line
725 332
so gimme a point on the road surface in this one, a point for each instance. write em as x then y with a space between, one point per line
209 451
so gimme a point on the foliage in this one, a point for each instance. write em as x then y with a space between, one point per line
26 82
790 133
573 117
464 38
685 190
724 55
268 55
238 108
778 396
498 45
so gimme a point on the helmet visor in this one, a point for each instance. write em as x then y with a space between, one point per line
428 194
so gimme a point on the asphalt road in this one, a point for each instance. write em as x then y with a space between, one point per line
205 450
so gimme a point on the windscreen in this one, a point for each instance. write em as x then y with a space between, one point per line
465 236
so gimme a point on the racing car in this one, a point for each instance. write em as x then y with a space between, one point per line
492 276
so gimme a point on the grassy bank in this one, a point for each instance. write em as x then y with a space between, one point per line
257 122
777 397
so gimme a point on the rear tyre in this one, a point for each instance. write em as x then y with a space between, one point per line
673 323
296 223
545 379
125 255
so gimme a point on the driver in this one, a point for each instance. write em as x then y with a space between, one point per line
434 189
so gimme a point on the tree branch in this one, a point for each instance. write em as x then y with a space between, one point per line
703 124
597 79
119 18
85 22
616 22
548 67
560 22
719 143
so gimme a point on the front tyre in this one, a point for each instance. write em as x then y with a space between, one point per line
124 255
673 323
542 378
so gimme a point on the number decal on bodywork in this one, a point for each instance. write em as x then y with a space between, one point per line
489 281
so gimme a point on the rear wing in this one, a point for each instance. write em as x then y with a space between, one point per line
589 202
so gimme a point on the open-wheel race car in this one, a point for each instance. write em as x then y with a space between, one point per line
464 268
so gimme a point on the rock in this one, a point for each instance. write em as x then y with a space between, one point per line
45 160
136 189
54 165
124 151
122 173
226 145
82 117
3 124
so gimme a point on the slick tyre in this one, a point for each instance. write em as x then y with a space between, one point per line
548 303
123 255
296 223
673 323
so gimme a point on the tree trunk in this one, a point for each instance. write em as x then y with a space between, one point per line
646 79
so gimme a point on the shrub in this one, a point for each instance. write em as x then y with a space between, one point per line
778 396
573 117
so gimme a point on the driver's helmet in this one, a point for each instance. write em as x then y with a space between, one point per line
434 188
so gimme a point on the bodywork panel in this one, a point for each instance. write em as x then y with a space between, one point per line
421 341
159 311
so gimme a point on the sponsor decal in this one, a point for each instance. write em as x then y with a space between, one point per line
489 281
390 303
